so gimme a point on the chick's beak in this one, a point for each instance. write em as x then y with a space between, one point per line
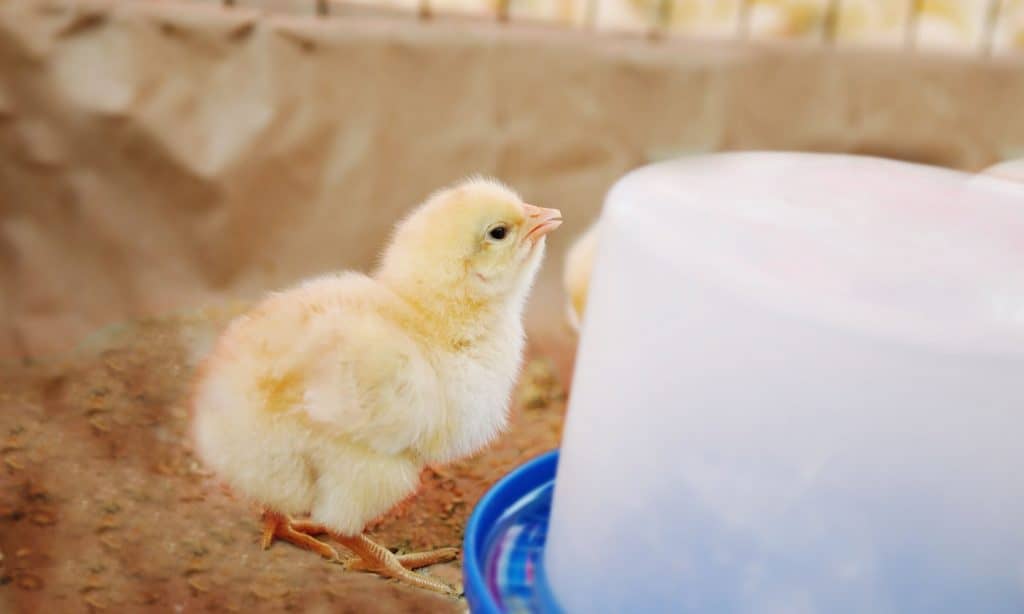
540 221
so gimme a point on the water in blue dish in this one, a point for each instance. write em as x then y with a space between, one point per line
513 568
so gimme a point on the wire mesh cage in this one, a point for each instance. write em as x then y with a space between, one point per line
166 162
968 26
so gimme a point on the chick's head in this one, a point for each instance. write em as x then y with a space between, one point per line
477 239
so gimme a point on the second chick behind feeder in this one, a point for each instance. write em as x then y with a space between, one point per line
579 262
1012 170
331 397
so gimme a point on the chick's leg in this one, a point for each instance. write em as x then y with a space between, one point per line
309 527
377 558
276 525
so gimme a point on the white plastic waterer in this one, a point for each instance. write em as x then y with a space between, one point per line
800 388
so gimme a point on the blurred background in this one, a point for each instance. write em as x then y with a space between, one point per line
161 155
166 157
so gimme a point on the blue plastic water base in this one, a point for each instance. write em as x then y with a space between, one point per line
503 550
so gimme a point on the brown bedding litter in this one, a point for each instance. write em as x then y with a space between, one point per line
103 507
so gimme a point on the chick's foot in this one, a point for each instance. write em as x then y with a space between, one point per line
298 533
376 558
414 560
309 527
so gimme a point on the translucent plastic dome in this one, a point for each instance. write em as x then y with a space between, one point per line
799 388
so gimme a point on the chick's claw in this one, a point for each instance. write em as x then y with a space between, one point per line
395 569
376 558
276 525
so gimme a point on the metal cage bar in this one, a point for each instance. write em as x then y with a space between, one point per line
660 18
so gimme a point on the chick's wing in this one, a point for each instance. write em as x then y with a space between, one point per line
327 354
366 380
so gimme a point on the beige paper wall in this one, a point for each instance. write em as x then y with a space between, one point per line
155 156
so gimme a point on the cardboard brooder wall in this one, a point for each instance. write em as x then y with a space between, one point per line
158 157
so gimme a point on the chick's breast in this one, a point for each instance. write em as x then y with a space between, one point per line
477 382
320 401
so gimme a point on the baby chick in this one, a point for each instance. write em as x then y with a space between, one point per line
579 262
949 23
1011 169
787 18
330 398
872 21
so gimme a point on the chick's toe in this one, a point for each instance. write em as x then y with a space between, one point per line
413 560
376 558
281 527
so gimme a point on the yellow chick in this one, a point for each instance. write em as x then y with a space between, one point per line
626 14
872 21
329 398
787 18
1009 31
706 16
579 261
949 23
561 11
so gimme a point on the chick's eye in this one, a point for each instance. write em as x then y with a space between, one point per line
498 233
